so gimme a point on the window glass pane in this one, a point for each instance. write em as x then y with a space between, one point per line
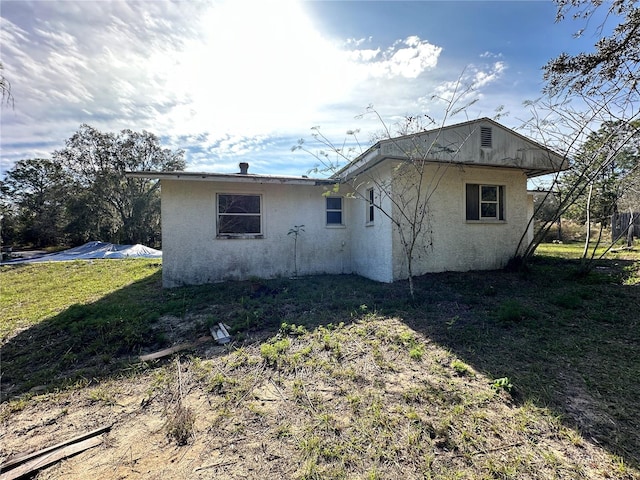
334 218
238 224
489 194
334 203
473 202
489 210
238 203
239 214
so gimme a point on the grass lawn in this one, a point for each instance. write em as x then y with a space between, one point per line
485 375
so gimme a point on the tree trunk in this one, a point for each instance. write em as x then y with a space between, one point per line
586 242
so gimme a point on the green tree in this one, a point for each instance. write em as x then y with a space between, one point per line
110 205
34 193
603 173
612 66
604 168
584 94
8 222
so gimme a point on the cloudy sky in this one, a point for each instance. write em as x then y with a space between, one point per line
232 81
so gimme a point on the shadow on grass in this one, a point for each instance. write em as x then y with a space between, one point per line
82 342
568 344
104 338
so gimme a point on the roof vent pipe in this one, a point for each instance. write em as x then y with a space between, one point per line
244 168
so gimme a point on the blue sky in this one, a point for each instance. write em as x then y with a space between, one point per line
234 81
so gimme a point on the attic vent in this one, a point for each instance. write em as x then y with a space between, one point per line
485 137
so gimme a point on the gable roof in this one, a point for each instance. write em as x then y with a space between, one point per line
458 144
463 144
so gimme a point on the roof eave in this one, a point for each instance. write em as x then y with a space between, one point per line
372 156
229 178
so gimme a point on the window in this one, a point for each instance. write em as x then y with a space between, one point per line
371 208
486 140
334 210
239 216
485 202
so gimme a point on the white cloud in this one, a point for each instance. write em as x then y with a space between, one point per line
469 86
356 42
482 78
407 58
489 54
206 76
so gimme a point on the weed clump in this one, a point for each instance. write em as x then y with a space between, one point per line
179 426
180 418
502 384
273 352
461 368
292 329
511 311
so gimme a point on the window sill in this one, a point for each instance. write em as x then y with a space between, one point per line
335 226
487 221
369 224
247 236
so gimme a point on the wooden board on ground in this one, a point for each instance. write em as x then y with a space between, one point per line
27 464
172 350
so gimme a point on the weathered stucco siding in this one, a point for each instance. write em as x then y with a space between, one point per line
463 144
193 254
530 230
454 244
370 242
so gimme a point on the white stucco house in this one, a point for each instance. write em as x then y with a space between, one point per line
469 179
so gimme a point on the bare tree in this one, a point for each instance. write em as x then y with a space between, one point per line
402 190
599 139
588 94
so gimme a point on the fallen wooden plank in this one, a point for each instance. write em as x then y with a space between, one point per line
50 458
172 350
22 458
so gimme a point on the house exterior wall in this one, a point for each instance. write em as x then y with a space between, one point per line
193 255
370 241
531 229
454 244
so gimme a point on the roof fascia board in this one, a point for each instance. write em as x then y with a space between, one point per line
529 172
229 178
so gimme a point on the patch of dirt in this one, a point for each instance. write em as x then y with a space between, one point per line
347 402
584 409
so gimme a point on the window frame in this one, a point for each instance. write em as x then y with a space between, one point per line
474 203
332 211
370 212
239 235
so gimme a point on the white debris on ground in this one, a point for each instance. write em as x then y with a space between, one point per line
94 250
220 333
